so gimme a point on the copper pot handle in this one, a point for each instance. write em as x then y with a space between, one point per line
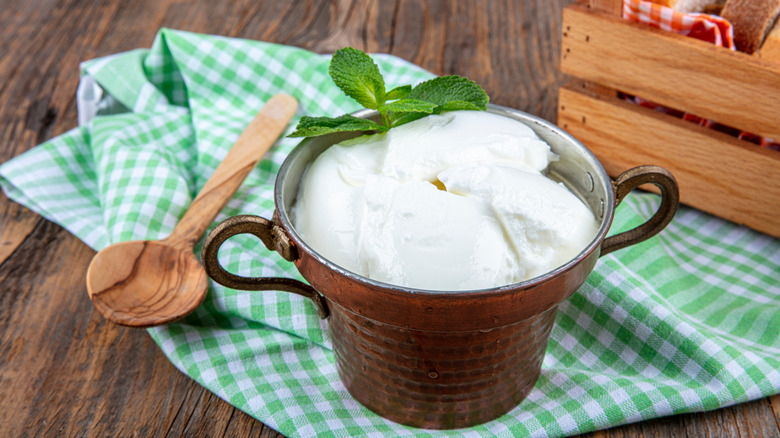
274 238
670 200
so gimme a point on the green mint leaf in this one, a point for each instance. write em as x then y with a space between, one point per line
408 105
358 77
404 118
316 126
398 92
456 105
451 92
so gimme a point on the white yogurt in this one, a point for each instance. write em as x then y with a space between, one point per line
449 202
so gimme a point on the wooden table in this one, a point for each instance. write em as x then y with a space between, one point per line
65 371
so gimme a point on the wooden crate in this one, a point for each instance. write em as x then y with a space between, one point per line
717 173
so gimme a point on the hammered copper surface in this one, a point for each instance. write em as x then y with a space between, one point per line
438 379
444 360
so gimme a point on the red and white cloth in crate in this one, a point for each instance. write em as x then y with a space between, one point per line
706 27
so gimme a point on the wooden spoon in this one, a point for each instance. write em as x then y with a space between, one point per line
148 283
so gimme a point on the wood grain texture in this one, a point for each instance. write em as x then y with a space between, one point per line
710 167
770 50
611 7
676 71
65 371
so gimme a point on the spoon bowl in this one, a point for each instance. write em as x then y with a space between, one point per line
147 283
156 280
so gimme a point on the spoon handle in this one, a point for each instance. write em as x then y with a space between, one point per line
248 150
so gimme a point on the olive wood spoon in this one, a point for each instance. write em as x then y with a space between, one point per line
148 283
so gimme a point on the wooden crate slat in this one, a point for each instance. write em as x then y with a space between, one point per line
683 73
612 7
717 173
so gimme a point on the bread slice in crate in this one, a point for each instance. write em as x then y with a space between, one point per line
752 21
706 6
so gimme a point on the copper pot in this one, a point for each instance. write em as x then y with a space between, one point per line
442 359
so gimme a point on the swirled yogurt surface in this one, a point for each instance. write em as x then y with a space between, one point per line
449 202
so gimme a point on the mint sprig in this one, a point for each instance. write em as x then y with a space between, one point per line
356 74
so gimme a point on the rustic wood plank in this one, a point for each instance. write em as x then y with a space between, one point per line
698 78
756 419
18 222
35 341
775 402
710 167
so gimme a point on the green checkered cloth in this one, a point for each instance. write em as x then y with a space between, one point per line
688 321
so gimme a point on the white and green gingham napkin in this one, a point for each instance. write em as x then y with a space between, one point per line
688 321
